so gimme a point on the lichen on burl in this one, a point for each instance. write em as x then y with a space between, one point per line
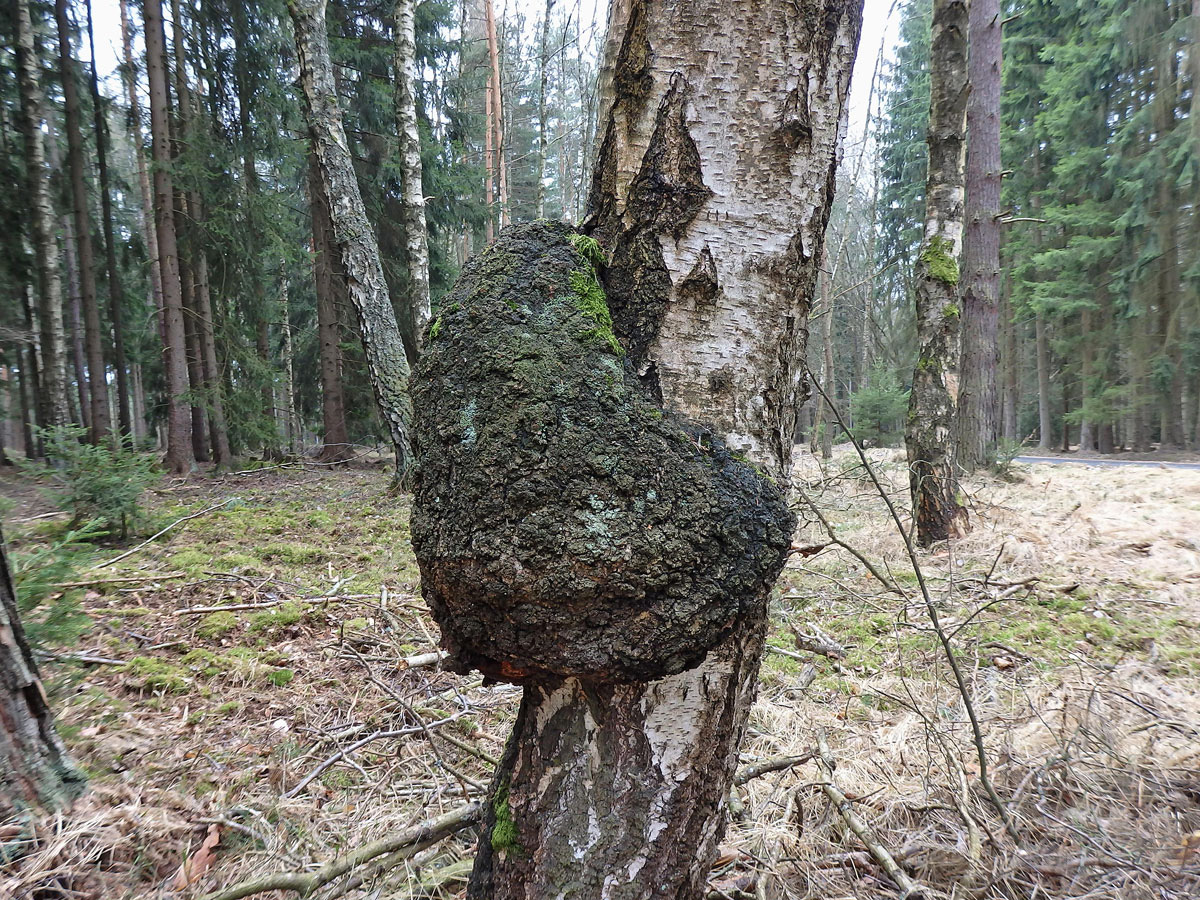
565 524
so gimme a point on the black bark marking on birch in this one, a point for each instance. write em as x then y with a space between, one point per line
665 197
563 523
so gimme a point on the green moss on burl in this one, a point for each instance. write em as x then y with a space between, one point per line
939 262
504 831
590 300
589 248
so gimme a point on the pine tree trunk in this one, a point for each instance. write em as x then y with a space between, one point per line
195 365
929 436
179 425
116 291
75 305
31 380
1087 435
52 398
330 289
1043 379
978 407
146 196
412 200
36 775
202 338
1012 373
99 423
704 165
353 235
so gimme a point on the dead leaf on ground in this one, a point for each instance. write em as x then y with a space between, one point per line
193 868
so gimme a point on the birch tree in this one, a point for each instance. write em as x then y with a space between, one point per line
353 235
929 436
712 189
52 398
412 201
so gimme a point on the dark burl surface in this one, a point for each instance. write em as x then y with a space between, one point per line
564 525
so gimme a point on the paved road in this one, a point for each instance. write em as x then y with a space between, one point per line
1086 461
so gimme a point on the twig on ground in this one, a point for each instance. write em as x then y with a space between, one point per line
418 836
757 770
909 889
362 742
158 534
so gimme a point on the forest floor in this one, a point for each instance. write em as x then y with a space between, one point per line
259 677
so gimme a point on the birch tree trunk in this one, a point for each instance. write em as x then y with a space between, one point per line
711 192
52 398
539 170
497 111
353 236
35 772
116 292
929 435
179 425
978 407
412 200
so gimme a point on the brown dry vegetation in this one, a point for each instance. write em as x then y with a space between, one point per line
1073 607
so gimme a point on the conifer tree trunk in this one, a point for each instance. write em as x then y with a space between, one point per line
1012 372
179 425
929 436
620 790
1042 342
99 423
75 309
145 195
978 405
201 328
330 289
116 291
52 398
36 775
353 235
412 201
289 379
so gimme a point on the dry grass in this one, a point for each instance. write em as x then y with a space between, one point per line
1088 696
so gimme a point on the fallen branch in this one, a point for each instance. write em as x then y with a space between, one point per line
424 834
779 764
157 535
909 889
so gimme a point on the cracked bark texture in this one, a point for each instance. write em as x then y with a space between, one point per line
719 133
353 236
35 772
929 434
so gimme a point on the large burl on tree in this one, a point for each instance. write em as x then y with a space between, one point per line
564 523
